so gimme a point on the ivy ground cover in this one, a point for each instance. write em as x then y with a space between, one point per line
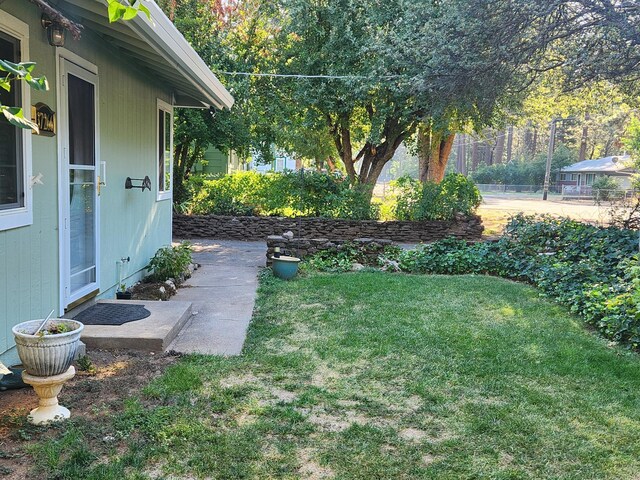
373 375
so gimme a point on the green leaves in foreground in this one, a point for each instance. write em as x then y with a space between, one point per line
20 71
119 11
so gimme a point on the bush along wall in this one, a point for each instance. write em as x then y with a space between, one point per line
315 194
305 193
593 270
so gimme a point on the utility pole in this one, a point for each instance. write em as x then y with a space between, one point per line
547 173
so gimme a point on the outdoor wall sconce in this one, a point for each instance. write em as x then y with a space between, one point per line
144 183
55 31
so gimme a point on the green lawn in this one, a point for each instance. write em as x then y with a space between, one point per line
382 376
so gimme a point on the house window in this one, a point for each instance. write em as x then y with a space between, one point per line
165 150
589 178
15 143
563 176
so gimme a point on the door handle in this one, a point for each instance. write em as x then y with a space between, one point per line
102 179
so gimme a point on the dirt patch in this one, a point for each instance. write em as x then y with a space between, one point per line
310 469
302 335
324 376
412 434
237 380
330 421
89 397
428 459
283 395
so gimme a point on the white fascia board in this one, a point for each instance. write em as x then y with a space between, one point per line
166 39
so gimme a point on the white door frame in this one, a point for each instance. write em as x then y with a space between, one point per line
69 62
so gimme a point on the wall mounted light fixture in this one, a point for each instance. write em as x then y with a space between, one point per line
55 31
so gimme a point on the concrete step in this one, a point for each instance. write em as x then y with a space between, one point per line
151 334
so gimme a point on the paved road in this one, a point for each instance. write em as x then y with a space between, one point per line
223 294
579 210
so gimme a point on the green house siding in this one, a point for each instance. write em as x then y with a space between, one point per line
132 223
217 162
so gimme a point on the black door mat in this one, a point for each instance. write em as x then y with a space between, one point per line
112 314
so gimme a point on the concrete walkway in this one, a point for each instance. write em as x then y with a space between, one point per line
223 293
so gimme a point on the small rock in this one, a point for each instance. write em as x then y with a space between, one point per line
356 267
108 438
288 235
162 290
390 265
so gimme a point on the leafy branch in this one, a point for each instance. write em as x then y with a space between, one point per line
19 71
120 11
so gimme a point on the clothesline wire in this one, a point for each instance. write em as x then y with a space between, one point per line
297 75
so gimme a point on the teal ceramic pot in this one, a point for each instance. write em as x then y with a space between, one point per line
285 267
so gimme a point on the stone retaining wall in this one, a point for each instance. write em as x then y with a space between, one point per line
259 228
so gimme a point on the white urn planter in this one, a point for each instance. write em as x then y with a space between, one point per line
48 354
47 358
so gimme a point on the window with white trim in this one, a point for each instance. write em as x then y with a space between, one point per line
15 151
165 150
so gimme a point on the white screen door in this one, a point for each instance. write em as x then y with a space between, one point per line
79 182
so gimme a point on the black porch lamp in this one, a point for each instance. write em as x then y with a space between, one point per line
55 31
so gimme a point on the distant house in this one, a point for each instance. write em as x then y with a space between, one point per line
281 163
219 163
580 176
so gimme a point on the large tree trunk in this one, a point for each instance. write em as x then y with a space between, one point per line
475 160
180 162
465 169
461 156
434 148
332 164
582 155
499 155
373 157
509 143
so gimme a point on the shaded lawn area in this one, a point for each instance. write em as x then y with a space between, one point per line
380 376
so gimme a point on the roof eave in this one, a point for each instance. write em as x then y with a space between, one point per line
168 42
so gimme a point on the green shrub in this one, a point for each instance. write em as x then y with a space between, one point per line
170 262
308 193
606 188
344 256
436 201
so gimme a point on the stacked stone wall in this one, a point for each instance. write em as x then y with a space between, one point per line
259 228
